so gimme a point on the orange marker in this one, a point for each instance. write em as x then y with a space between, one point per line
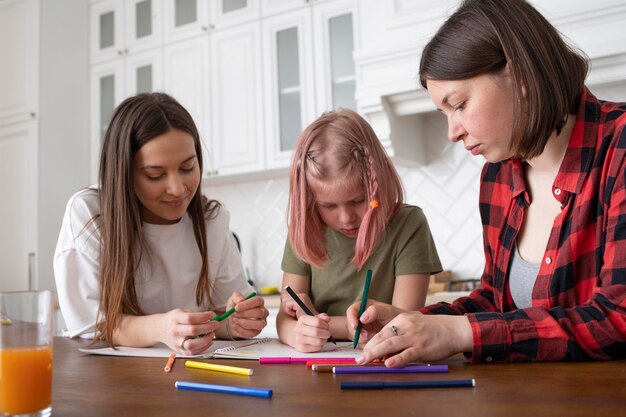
170 362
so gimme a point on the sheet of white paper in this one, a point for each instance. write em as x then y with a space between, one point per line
235 349
162 351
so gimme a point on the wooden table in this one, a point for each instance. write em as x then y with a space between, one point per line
89 385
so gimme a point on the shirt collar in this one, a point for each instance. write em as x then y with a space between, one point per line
578 158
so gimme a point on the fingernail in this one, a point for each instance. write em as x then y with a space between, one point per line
360 360
365 317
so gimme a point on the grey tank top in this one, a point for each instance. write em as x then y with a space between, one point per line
522 277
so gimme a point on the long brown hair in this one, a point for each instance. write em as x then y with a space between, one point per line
340 149
136 121
483 36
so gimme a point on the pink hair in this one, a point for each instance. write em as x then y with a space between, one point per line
340 149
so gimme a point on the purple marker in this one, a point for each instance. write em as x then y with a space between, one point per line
385 370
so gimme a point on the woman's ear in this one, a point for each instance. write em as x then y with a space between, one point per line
506 72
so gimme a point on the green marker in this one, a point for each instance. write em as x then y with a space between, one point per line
366 289
224 316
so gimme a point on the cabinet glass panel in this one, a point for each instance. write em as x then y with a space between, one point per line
233 5
185 12
107 30
107 102
341 61
143 19
288 87
144 79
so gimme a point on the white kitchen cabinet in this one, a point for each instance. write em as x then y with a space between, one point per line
236 95
186 78
309 69
43 126
185 19
252 74
227 13
123 27
113 81
289 82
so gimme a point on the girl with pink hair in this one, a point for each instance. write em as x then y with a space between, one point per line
347 215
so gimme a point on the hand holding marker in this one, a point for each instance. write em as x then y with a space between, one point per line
223 316
303 307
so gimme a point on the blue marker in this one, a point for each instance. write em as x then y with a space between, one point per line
226 389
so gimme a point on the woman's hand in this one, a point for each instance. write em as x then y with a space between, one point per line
250 316
291 308
414 336
373 319
180 329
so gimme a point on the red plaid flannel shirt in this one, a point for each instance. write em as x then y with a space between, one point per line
579 299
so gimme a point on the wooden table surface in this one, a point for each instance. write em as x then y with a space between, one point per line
90 385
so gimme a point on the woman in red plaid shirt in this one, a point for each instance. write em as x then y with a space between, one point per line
552 199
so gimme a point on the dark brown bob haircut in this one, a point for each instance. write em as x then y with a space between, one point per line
482 36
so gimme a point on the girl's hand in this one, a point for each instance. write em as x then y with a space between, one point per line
373 319
180 329
250 316
414 336
292 309
312 332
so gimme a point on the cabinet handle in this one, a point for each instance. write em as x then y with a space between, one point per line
31 271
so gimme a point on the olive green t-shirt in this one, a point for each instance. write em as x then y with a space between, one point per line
406 247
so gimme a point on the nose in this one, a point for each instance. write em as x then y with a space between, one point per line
175 186
456 132
347 215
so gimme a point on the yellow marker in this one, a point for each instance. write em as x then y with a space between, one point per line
5 320
219 368
268 290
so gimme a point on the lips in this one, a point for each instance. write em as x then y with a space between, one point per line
473 149
350 232
175 203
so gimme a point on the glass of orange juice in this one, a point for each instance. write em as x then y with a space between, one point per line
26 333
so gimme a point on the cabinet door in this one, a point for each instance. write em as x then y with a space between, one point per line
237 102
107 91
289 86
186 78
185 19
18 216
335 43
143 26
20 62
144 72
106 26
225 13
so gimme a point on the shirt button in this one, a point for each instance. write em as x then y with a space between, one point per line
488 358
557 191
548 260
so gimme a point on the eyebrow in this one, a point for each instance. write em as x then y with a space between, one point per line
159 166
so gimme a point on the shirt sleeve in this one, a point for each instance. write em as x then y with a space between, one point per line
77 267
225 263
292 264
416 252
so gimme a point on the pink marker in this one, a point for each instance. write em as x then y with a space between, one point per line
279 360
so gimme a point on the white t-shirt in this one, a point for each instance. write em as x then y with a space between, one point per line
166 277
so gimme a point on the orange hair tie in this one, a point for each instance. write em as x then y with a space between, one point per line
374 204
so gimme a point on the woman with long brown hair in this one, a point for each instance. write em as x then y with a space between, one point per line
145 257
